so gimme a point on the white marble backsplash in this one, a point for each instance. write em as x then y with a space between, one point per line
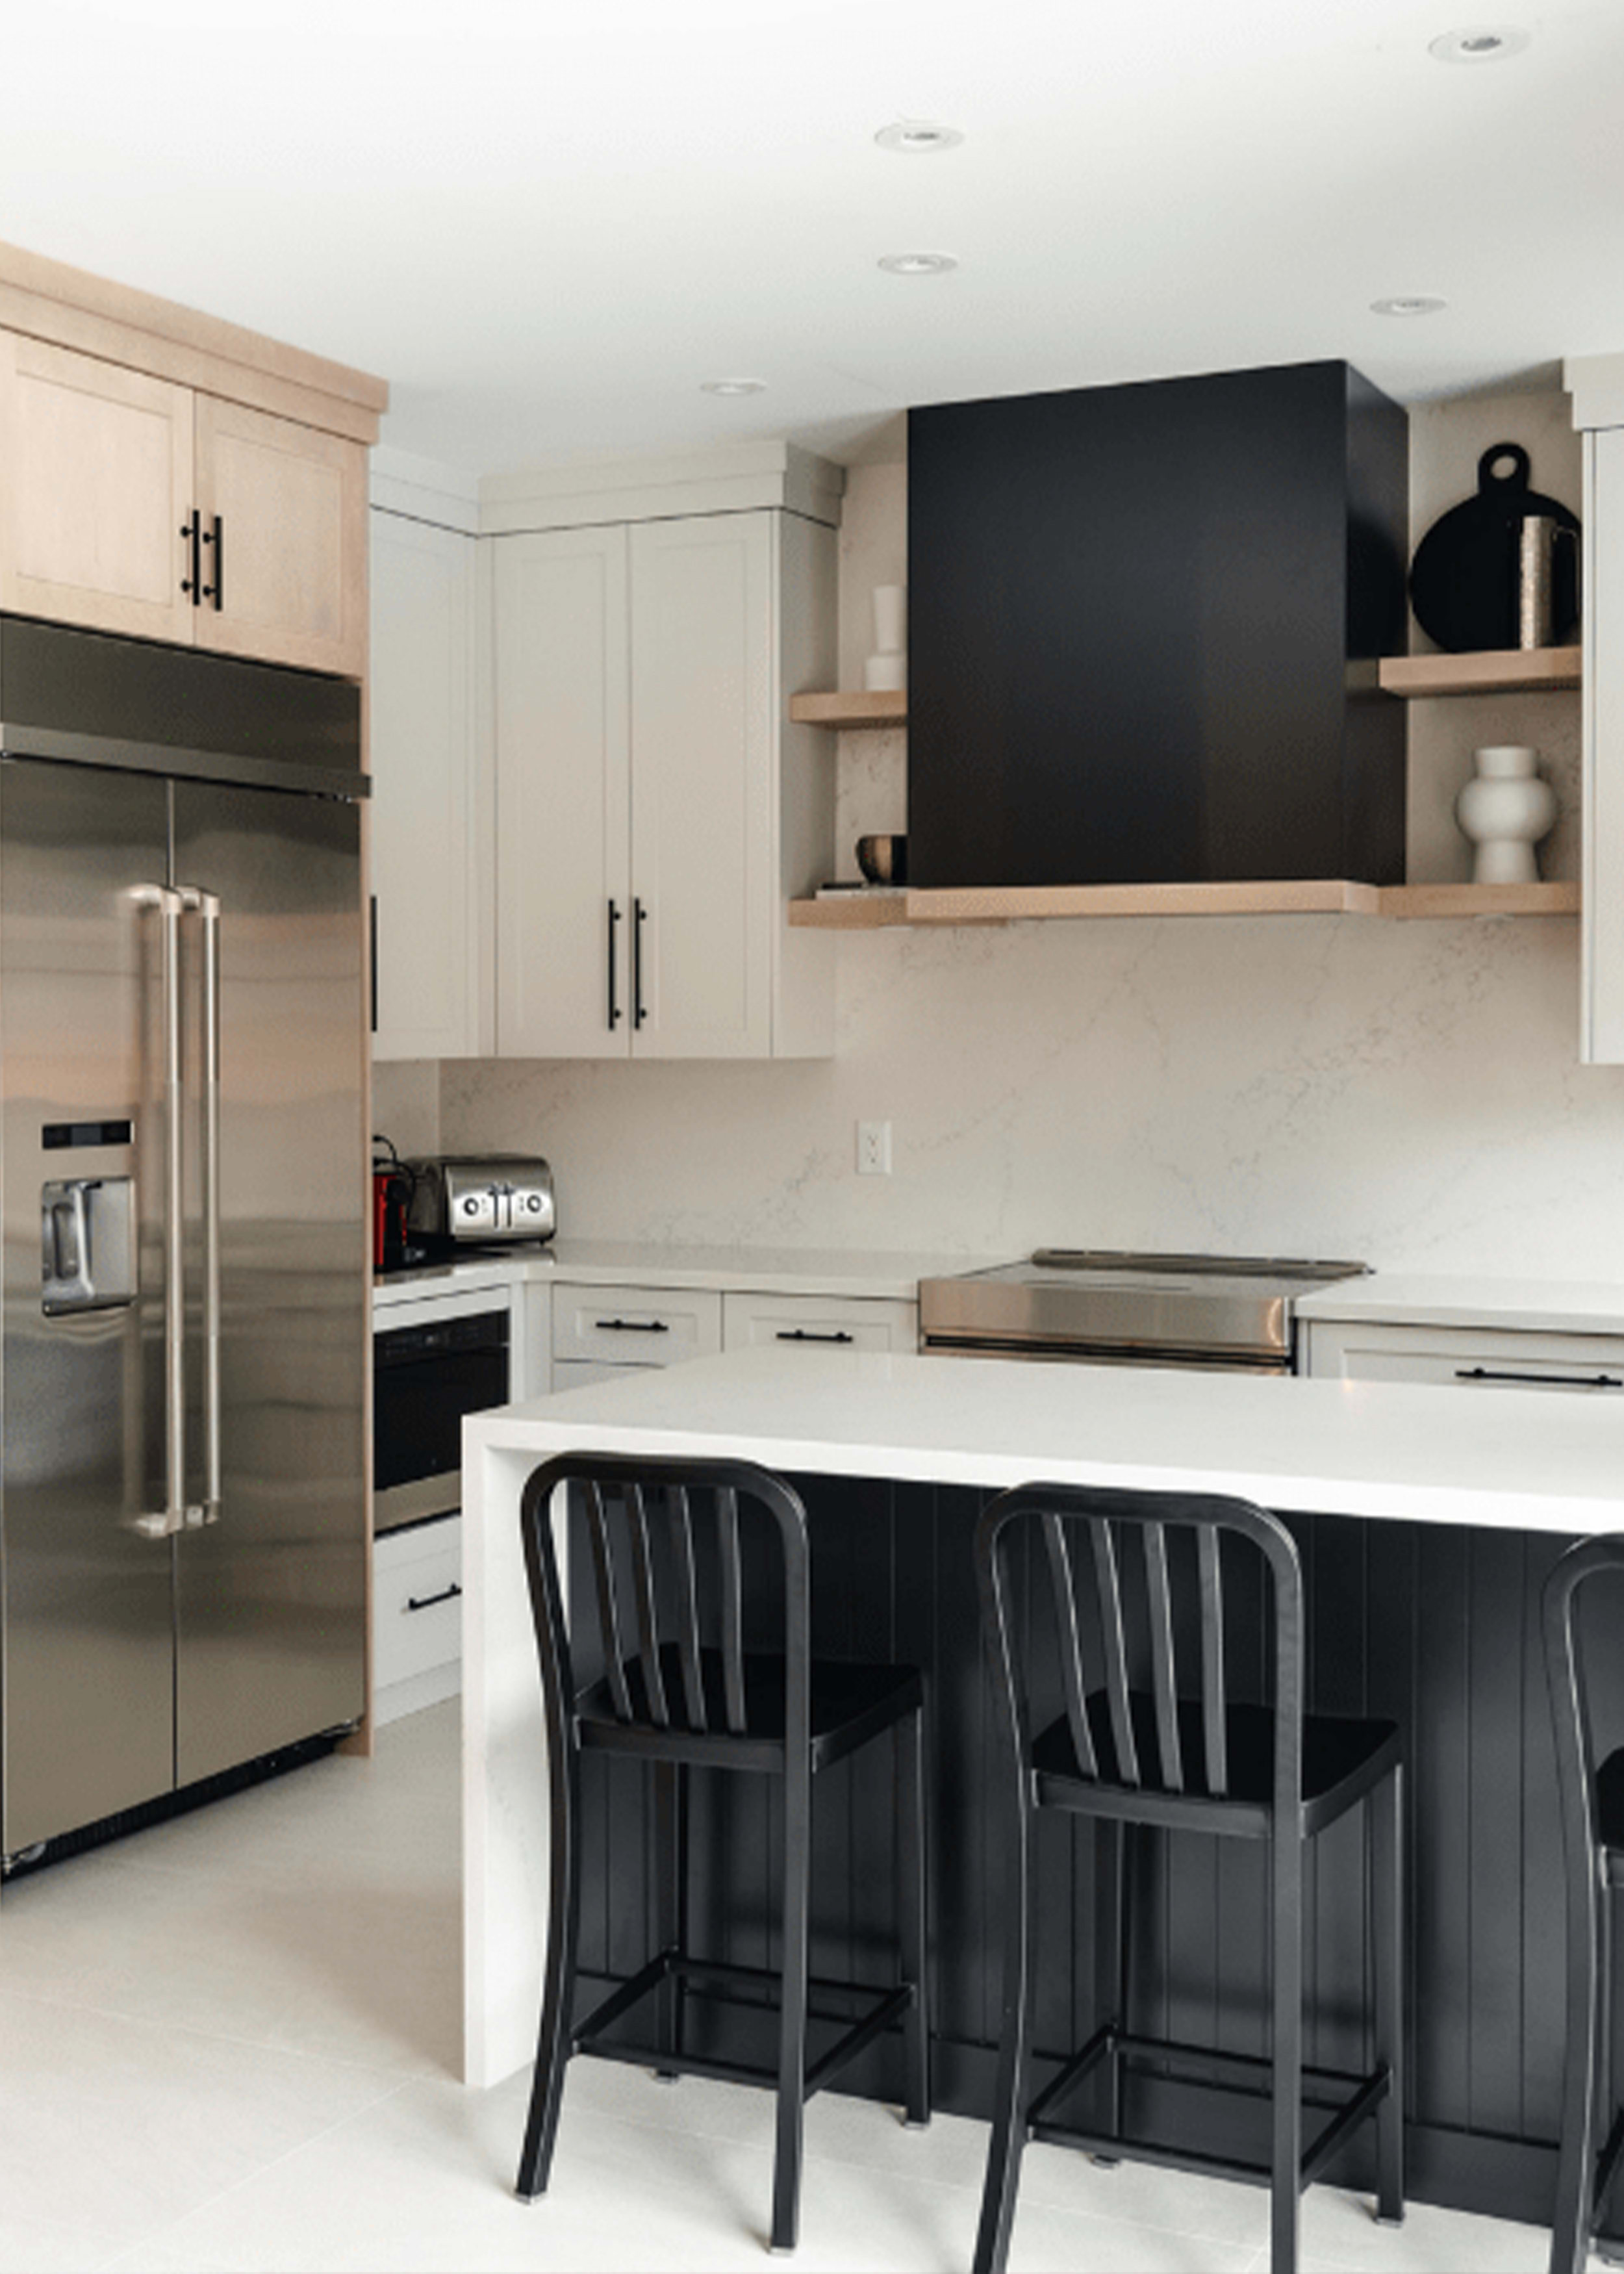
1404 1094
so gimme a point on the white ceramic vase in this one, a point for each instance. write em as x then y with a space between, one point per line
1505 810
888 666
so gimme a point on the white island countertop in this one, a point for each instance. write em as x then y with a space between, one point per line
1383 1450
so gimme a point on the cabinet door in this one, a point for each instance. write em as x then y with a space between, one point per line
562 796
704 782
1472 1357
635 1325
810 1322
290 585
97 491
1602 1042
431 872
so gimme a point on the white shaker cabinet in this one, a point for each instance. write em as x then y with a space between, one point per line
655 811
430 864
563 842
1596 384
1472 1357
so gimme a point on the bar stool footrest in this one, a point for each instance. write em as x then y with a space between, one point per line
1348 2096
724 1982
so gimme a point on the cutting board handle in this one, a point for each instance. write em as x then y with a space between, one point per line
1489 481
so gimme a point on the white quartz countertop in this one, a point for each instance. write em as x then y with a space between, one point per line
1498 1458
1403 1299
773 1270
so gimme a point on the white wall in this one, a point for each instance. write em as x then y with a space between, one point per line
1408 1093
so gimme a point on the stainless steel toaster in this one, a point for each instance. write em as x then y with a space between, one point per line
483 1196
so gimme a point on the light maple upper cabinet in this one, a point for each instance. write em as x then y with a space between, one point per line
656 811
431 884
95 490
283 540
168 474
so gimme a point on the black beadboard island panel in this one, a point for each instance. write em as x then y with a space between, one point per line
1143 627
1435 1625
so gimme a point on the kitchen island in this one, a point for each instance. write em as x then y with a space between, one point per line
1426 1520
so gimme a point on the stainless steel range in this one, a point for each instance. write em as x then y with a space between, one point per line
1221 1311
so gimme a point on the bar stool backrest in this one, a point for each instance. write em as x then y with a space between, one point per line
657 1594
1093 1539
1570 1701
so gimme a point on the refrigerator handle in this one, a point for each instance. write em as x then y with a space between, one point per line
172 1518
207 905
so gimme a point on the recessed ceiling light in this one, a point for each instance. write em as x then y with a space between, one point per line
918 264
733 386
1478 43
1408 304
917 137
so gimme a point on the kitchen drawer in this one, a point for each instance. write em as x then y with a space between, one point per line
635 1325
1473 1358
819 1322
417 1602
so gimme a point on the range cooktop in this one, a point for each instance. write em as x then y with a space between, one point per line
1130 1306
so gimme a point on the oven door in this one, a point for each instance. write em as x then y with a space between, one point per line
433 1362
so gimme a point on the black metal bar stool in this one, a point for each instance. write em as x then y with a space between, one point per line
685 1693
1146 1747
1592 1803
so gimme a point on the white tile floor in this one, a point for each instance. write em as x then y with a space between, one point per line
229 2045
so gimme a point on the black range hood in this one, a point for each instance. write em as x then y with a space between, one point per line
1144 627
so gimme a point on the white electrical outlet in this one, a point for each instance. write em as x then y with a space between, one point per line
874 1148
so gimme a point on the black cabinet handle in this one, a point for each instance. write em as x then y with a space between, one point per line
614 991
371 959
1541 1380
216 591
191 530
427 1603
804 1335
639 913
633 1326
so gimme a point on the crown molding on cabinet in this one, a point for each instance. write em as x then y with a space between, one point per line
47 300
1596 386
424 489
741 478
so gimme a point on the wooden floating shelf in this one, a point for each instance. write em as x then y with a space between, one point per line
1496 671
852 707
1312 896
1561 899
851 912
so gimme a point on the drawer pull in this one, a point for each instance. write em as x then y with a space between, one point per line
1542 1380
633 1326
807 1335
427 1603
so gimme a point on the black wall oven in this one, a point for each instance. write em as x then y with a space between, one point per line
435 1359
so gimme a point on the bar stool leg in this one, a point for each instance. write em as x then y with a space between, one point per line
1571 2219
1386 1808
792 2020
555 2044
1286 2048
1110 1960
1011 2090
671 1849
914 1853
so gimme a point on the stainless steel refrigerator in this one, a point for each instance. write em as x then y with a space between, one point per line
182 1485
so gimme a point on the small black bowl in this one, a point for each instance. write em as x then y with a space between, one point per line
883 860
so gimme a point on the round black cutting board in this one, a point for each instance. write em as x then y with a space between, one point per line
1464 579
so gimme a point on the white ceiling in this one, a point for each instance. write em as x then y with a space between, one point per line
545 225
